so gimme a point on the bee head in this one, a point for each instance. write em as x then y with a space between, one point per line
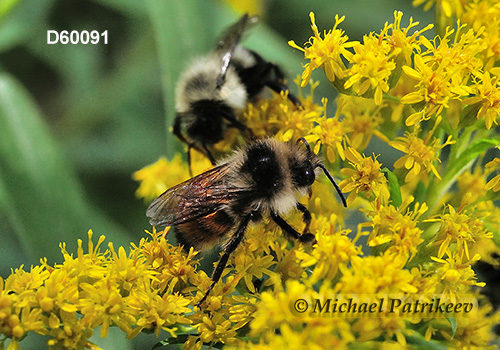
204 120
303 172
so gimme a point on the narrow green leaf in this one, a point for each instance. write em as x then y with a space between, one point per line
394 189
419 193
418 342
457 165
469 115
453 325
13 28
182 31
455 168
41 198
6 6
180 339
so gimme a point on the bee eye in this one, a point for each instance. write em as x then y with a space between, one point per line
303 174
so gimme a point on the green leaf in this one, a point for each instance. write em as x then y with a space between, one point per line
454 326
40 196
394 189
457 165
13 29
469 115
115 339
180 339
182 30
6 6
418 342
419 193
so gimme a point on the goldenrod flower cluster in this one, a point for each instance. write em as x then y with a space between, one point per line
135 291
415 227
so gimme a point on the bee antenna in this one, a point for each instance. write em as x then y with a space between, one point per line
330 177
304 141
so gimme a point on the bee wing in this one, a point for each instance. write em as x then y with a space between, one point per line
191 199
228 41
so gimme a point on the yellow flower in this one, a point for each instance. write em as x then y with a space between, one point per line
362 117
456 275
162 313
70 333
432 89
274 309
19 313
395 227
488 98
473 331
367 329
420 156
484 16
329 133
376 274
104 289
174 269
280 118
288 266
366 177
399 38
333 248
326 52
156 178
442 73
252 265
277 323
460 229
372 66
447 7
216 329
425 281
494 183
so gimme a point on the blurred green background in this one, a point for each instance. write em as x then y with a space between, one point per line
77 120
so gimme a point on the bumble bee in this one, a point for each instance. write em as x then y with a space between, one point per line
264 179
214 87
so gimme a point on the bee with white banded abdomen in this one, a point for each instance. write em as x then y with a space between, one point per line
215 87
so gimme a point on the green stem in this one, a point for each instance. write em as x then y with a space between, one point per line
390 97
463 154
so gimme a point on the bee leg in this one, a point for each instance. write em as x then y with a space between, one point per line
176 130
275 83
189 161
289 230
229 247
306 217
209 155
239 125
278 87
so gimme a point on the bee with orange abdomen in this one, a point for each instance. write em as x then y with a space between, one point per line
216 206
